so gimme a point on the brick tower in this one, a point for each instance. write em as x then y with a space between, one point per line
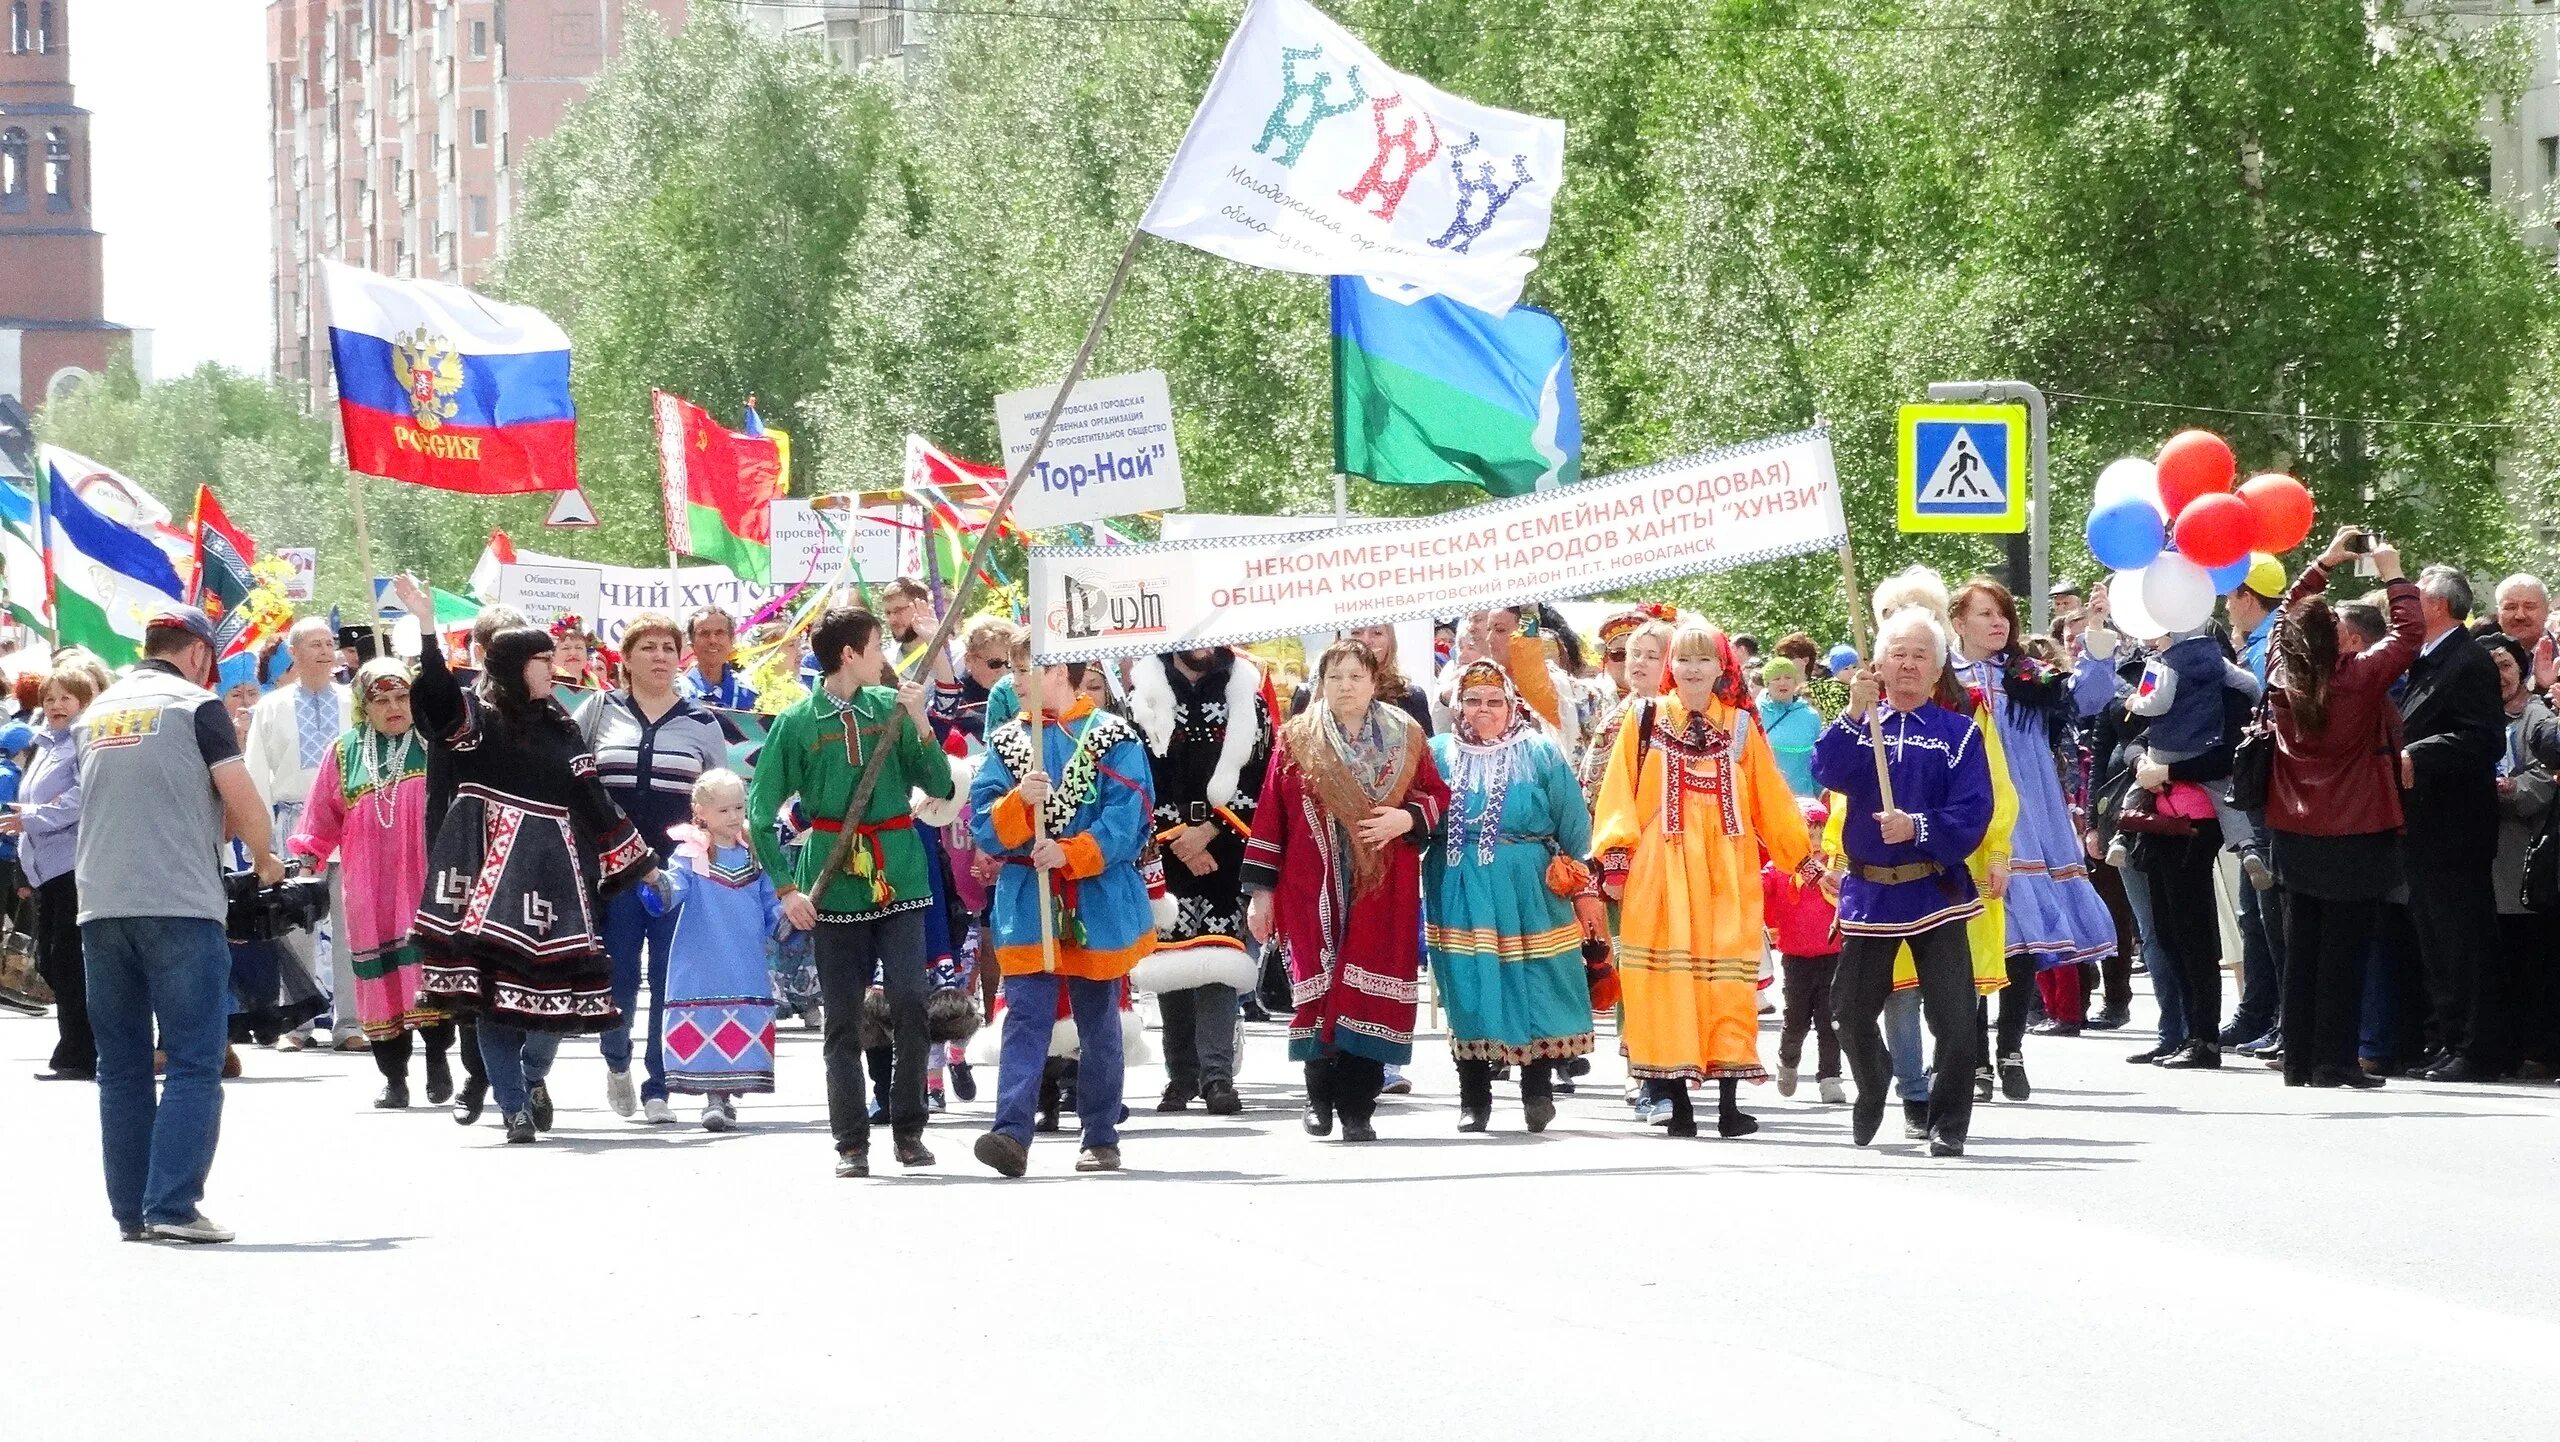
53 330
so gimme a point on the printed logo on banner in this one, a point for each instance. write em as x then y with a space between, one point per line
1111 452
1123 608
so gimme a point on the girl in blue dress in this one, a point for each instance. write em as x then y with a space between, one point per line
720 1007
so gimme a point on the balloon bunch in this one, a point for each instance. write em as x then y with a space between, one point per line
2177 534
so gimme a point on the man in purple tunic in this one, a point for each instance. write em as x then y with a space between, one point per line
1906 880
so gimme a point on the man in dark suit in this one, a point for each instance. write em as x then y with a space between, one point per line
2453 733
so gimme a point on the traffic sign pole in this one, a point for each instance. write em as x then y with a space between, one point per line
2040 511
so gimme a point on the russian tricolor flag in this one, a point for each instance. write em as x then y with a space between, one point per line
443 388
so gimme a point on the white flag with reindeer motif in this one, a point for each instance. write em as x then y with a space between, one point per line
1309 154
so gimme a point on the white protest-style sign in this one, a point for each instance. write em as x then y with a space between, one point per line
1310 154
808 544
1110 454
1413 638
571 512
548 590
1761 501
623 592
305 561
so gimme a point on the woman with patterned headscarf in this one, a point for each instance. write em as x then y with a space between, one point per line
1691 798
369 807
1334 870
1510 900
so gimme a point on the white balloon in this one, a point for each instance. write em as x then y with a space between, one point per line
2177 592
2125 607
2124 479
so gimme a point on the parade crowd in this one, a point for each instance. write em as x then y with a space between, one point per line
1921 848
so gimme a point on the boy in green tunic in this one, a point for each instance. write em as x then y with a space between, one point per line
870 913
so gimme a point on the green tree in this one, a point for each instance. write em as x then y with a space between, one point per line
1776 213
269 463
689 224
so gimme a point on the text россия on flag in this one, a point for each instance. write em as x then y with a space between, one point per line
444 388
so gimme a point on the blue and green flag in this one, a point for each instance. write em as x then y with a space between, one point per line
1436 391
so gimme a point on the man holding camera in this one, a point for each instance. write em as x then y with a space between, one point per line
161 785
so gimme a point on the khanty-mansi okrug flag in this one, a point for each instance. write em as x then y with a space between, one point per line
1310 154
441 387
107 578
720 487
1438 391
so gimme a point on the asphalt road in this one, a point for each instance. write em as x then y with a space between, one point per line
2134 1253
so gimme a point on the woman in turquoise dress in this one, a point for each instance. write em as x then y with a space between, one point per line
1506 949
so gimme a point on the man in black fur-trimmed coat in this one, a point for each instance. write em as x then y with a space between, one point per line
1208 730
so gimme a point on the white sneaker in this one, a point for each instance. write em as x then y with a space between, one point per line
619 1093
814 1019
1786 1080
658 1112
715 1117
198 1228
1833 1094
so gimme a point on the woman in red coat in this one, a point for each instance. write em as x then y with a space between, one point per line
1335 872
2333 808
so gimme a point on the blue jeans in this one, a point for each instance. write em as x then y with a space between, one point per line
627 925
2261 963
2165 989
1902 1038
516 1059
1030 1013
175 970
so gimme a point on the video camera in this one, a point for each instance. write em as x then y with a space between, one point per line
263 913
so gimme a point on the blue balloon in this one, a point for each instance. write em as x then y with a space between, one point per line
2127 535
2227 579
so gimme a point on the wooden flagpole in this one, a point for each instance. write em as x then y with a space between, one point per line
364 559
1858 639
962 591
1028 679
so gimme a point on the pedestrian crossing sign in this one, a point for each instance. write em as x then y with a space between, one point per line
1963 468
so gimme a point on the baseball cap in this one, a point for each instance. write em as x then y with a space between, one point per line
182 618
2266 577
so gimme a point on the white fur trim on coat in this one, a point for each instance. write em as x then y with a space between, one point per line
1151 706
1181 968
940 810
987 1047
1166 911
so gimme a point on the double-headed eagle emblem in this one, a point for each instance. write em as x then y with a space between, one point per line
430 370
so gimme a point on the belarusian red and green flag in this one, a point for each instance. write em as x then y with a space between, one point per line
720 486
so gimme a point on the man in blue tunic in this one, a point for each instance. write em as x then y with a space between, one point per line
1906 879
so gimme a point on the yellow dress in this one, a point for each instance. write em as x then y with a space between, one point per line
1689 920
1987 934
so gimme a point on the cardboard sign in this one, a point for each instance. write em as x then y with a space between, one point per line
1111 453
545 593
808 544
305 561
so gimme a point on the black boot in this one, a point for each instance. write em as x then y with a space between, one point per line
1475 1095
1865 1115
1318 1117
468 1101
1684 1119
1537 1094
439 1078
1731 1119
1356 1080
1915 1121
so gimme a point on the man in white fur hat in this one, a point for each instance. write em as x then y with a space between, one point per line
1207 726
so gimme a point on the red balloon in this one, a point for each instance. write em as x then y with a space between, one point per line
2214 531
2282 508
2192 464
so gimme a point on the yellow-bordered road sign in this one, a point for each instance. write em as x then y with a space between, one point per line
1963 468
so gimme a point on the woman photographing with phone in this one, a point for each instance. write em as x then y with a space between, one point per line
2333 804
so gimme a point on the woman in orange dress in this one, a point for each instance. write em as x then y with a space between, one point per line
1692 799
